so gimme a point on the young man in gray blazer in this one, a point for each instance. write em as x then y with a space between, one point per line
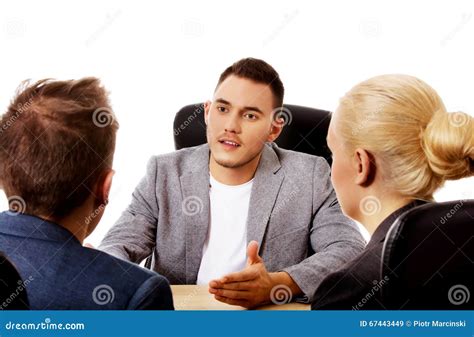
254 222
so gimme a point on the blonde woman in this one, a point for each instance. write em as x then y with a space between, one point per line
393 144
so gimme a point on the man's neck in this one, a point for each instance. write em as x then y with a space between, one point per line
233 176
75 222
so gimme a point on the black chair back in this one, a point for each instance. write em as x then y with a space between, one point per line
428 258
12 289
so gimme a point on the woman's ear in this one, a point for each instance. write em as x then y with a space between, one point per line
207 108
364 167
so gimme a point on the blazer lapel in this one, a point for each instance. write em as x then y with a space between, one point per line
266 185
196 209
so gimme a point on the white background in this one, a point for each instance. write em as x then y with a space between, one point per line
155 57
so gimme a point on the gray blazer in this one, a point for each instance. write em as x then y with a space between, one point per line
293 214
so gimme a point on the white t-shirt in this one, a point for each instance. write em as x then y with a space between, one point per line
225 249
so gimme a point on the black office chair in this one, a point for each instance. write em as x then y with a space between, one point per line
305 129
12 289
428 258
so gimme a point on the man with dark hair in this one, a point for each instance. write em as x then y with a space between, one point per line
254 222
57 141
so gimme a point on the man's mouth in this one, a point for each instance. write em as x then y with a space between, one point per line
229 142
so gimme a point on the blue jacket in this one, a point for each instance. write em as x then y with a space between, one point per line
59 273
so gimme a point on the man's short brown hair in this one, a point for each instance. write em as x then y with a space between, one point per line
258 71
56 139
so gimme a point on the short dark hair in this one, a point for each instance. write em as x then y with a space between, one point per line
56 139
260 72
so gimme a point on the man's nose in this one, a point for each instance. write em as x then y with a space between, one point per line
232 124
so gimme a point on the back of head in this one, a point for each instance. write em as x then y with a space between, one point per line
56 139
404 123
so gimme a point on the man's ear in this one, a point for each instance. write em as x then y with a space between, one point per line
276 127
364 166
207 108
103 187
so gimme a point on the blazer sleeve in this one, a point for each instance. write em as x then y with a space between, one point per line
153 294
133 237
334 238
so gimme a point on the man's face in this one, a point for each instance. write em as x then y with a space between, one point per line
239 121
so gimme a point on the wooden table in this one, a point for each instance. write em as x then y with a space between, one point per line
194 297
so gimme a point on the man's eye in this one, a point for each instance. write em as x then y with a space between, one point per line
250 116
221 109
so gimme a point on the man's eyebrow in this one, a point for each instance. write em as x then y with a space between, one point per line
246 108
223 101
253 108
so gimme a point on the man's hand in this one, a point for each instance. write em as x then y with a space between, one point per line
252 286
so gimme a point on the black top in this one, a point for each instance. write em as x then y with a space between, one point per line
357 284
